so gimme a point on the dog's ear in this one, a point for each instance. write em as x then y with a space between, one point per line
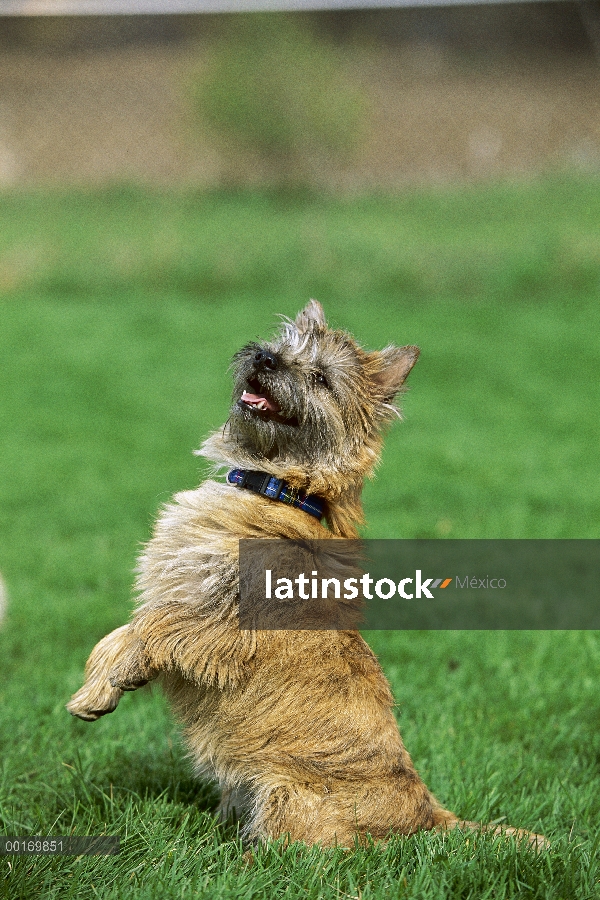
396 364
310 317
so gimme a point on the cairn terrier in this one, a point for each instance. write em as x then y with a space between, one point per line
296 727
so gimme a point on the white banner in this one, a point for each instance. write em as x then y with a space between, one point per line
172 7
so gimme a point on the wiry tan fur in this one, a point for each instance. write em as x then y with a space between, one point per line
296 727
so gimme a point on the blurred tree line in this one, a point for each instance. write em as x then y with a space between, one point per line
281 87
541 27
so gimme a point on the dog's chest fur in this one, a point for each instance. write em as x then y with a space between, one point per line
193 556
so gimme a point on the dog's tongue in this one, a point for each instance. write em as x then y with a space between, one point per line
259 401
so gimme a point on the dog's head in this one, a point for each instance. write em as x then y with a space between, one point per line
313 399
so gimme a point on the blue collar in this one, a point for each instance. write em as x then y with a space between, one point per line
277 489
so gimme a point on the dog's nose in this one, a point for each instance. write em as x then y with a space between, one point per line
265 360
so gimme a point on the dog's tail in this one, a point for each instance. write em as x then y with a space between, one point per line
444 820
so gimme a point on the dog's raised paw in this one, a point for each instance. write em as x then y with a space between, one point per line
90 704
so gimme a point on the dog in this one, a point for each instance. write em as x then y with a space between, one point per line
296 727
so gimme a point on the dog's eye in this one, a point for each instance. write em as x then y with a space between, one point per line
320 379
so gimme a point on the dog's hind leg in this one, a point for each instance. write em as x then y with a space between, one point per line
345 814
116 664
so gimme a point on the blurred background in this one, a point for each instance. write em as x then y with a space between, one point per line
367 98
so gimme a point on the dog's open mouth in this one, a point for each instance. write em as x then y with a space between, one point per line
258 400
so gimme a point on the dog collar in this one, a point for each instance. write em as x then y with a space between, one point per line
277 489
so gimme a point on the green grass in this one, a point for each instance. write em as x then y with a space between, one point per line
119 311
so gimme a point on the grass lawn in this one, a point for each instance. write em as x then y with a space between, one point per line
119 312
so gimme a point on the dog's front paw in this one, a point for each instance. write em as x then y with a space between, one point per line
133 671
99 695
93 700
